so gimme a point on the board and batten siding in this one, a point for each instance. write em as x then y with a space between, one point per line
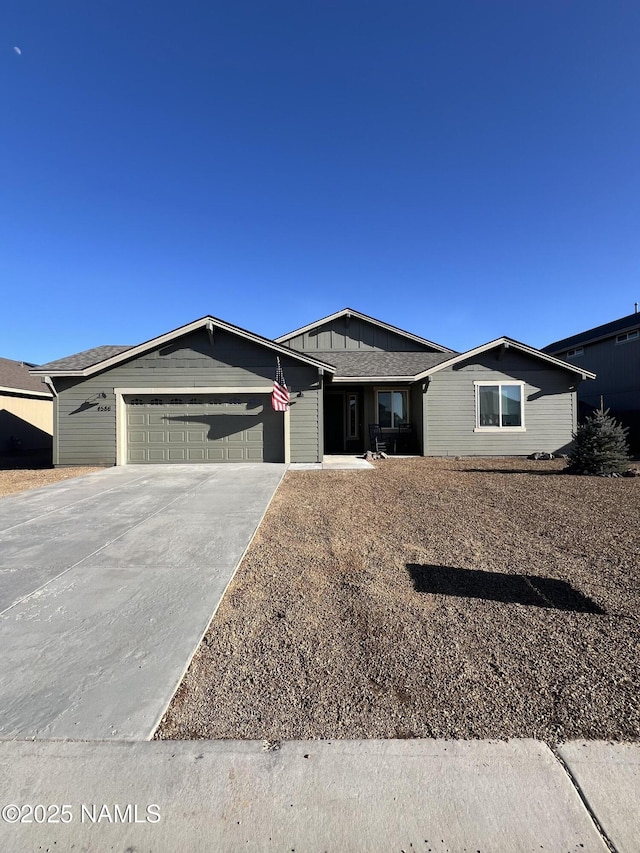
550 411
617 369
86 422
353 334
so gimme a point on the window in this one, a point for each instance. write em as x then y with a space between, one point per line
499 405
393 408
352 416
574 352
627 336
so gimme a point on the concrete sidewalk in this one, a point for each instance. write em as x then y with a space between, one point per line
335 462
313 796
107 584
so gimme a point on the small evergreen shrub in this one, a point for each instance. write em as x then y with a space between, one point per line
600 446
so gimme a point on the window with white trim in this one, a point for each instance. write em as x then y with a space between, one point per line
628 336
499 405
392 407
572 353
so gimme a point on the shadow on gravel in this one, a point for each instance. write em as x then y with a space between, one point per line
34 460
495 586
553 473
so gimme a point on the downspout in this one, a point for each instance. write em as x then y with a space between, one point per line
425 412
55 450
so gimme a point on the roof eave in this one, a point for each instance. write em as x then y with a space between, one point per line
361 316
140 349
577 341
509 342
26 391
357 380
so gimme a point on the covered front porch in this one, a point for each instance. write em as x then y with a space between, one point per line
350 412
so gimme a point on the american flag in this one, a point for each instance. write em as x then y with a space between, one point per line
280 395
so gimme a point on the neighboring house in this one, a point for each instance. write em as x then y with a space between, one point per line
612 351
26 408
201 393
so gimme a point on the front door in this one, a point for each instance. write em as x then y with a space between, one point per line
343 422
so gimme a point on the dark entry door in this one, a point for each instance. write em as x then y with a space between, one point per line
343 422
334 423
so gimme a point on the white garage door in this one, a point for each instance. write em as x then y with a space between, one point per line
203 428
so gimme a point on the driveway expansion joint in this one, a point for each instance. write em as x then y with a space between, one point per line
584 800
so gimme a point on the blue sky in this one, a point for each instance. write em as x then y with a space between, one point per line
462 169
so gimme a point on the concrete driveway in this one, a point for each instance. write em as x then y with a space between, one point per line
107 584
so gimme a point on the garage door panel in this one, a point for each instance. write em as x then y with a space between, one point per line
236 454
215 454
195 454
203 428
156 454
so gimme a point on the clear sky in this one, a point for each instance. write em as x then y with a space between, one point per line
462 169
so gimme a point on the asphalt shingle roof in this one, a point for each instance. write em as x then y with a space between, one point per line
364 363
15 374
81 360
599 332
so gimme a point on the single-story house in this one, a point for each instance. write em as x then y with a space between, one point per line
26 409
202 393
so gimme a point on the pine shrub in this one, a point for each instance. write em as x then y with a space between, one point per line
599 446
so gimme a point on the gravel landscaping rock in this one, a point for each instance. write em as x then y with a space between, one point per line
21 479
470 598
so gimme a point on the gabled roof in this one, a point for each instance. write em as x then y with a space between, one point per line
82 360
508 343
373 365
100 358
631 321
349 312
15 377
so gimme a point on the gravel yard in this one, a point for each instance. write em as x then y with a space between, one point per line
21 479
476 598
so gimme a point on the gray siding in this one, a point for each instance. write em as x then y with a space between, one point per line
549 408
353 334
618 373
86 423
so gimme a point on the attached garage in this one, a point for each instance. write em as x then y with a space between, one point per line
199 394
178 428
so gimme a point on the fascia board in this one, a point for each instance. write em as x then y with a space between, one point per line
161 340
345 380
368 319
556 362
25 391
596 339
